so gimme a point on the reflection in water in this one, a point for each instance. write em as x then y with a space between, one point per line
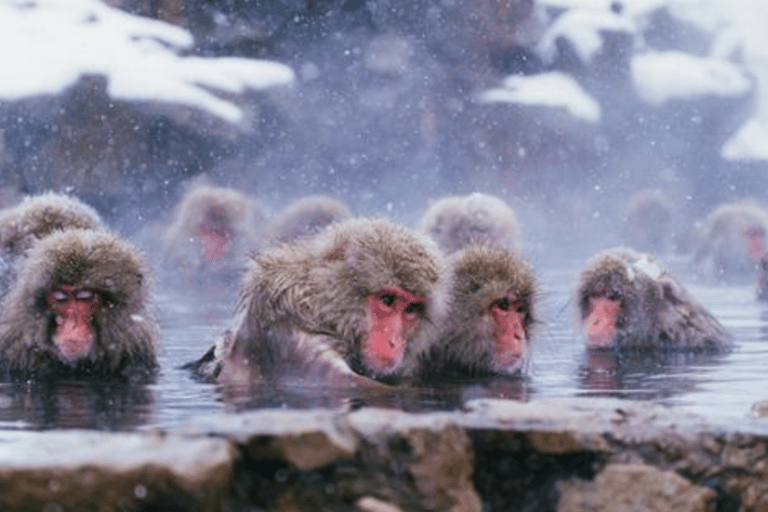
103 405
561 367
647 375
296 394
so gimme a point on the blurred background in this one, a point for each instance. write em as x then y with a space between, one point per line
564 108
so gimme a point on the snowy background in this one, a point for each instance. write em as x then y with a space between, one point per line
557 105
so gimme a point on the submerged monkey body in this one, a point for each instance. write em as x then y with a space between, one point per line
628 300
334 303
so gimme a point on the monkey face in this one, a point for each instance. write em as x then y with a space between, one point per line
601 323
394 316
755 237
215 240
509 317
73 309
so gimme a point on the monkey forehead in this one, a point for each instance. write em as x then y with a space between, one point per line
482 267
381 253
609 269
92 259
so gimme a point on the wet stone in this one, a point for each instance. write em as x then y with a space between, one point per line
635 487
100 471
494 455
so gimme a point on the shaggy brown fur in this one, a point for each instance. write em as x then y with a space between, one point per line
655 311
37 216
303 305
125 328
308 216
481 276
457 221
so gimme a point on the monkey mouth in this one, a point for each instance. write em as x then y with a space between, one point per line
72 350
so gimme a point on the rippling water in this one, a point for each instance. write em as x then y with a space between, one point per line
724 386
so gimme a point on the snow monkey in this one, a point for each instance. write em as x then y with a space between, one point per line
456 221
628 299
491 313
360 299
732 240
307 216
78 307
213 227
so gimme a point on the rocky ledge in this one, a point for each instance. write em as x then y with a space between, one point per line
570 456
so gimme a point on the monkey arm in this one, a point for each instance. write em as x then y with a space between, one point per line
312 356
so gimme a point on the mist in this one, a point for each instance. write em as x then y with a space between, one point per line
563 108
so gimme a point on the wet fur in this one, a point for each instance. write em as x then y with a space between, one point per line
656 311
303 304
126 329
33 218
37 216
479 276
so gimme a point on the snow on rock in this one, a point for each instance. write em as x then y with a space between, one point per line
749 142
553 89
53 43
663 76
583 28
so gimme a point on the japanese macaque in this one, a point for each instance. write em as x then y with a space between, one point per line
79 306
629 300
308 216
360 299
647 221
457 221
213 229
731 240
490 316
37 216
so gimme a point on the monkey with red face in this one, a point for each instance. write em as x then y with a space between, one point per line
79 306
490 317
212 232
358 301
628 300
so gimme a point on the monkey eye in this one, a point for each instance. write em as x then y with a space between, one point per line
59 295
388 299
613 295
503 304
415 308
84 295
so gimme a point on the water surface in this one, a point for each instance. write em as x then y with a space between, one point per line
723 386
